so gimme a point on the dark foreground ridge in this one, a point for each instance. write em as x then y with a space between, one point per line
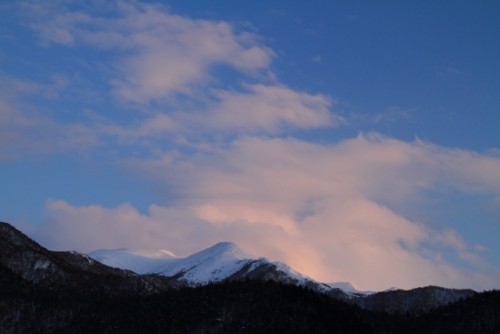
80 296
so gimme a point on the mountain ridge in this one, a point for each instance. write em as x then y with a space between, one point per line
45 291
226 261
222 261
66 270
219 263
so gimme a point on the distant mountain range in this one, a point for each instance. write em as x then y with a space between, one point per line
226 261
32 276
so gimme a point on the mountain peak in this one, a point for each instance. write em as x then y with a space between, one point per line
7 228
225 244
211 264
223 250
10 234
227 247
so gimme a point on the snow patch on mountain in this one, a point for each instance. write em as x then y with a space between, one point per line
139 261
41 264
349 289
210 265
224 260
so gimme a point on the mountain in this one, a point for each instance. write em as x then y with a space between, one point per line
43 291
67 270
122 272
413 301
225 261
213 264
222 261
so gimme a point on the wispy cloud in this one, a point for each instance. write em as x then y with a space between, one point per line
26 129
453 71
156 59
160 53
317 59
269 109
390 115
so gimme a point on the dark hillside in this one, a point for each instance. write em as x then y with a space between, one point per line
65 292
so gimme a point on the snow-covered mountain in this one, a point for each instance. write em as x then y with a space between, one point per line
24 260
213 264
222 261
226 261
54 291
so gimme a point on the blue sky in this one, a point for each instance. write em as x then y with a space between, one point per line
355 141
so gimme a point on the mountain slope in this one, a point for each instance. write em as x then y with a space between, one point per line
66 270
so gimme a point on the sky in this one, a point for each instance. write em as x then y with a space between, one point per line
354 140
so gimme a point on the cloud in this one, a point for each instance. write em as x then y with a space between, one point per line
165 64
93 227
153 127
317 59
392 115
317 207
378 167
333 211
466 252
25 129
453 71
159 53
269 109
23 134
